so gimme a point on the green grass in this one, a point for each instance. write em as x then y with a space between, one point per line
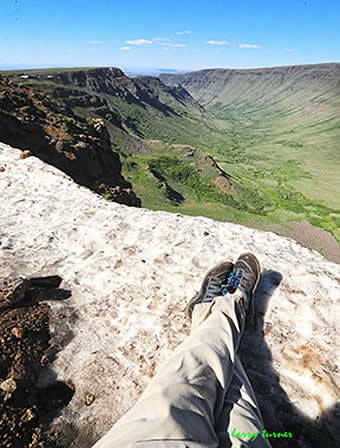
277 137
278 179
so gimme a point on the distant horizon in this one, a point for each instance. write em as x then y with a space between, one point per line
131 69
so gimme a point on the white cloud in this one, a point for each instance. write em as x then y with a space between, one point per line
174 45
125 48
139 42
183 32
218 42
161 39
95 42
249 46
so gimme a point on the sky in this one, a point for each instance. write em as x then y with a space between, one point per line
172 34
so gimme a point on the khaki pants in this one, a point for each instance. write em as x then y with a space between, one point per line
201 397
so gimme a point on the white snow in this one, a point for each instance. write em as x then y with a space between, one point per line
131 272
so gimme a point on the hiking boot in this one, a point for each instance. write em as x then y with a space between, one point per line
214 285
245 277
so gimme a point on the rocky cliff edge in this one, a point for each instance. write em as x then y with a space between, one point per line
78 146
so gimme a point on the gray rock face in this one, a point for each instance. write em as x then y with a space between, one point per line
132 271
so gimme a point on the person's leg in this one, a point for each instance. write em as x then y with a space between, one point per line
240 425
185 401
182 402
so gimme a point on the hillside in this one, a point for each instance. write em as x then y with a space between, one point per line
257 147
134 109
81 147
141 116
284 133
223 86
127 274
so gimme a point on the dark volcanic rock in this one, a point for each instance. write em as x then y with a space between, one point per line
26 409
98 79
79 147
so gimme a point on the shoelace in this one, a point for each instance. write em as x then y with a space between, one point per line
233 282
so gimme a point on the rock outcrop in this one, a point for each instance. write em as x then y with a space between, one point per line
126 104
79 147
131 272
145 90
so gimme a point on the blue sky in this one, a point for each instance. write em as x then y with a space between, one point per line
186 34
